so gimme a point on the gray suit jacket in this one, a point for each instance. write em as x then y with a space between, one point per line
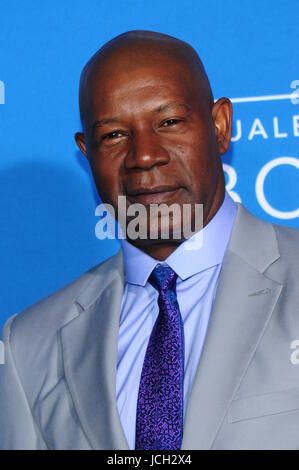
57 387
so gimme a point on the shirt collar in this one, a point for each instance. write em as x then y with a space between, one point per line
203 250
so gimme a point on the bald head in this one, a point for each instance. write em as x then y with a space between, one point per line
136 49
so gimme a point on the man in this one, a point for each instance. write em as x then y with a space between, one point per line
161 346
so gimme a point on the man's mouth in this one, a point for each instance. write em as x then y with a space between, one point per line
153 195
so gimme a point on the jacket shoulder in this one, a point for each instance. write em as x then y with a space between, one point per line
42 319
31 336
286 269
287 238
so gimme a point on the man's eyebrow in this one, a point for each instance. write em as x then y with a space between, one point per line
170 104
102 122
159 109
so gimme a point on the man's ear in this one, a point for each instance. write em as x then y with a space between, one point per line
79 138
222 113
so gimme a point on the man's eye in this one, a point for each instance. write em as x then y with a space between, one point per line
170 122
111 135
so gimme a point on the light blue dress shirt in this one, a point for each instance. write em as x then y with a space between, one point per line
198 267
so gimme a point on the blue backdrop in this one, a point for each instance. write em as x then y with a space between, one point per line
48 199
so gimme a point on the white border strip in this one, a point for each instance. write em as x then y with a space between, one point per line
250 99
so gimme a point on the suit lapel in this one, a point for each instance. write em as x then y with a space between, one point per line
89 349
242 309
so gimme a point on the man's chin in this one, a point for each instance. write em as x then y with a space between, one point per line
149 242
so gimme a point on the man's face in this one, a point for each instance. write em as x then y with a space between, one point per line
150 136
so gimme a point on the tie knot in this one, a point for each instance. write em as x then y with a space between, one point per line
163 278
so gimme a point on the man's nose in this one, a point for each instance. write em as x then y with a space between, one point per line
145 152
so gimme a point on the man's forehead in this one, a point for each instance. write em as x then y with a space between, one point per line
137 99
140 81
125 68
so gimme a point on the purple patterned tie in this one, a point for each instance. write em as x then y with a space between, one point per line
159 421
